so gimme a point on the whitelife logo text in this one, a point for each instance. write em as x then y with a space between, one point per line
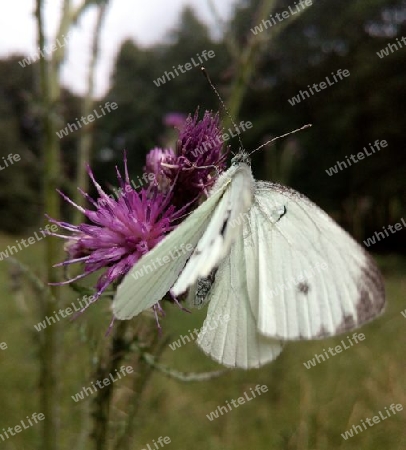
392 47
208 145
11 159
384 234
48 49
12 249
318 87
101 384
157 445
236 403
210 324
71 127
183 68
25 424
371 422
159 262
277 17
56 317
341 165
356 339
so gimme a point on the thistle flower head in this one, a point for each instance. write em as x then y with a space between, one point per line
119 232
200 141
198 160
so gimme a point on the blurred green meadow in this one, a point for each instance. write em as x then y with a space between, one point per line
303 409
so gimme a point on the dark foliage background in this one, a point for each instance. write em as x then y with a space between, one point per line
368 105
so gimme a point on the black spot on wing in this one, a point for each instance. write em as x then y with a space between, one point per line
223 229
303 287
282 213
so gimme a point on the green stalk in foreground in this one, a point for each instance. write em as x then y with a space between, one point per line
86 135
48 346
248 57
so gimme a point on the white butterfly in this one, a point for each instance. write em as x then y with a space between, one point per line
262 238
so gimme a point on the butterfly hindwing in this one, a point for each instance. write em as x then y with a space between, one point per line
314 279
235 342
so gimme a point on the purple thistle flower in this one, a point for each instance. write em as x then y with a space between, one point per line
198 161
125 226
121 230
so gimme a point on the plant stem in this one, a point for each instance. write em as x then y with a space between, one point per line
102 402
48 346
246 65
248 58
143 375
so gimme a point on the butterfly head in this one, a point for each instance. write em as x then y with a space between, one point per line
241 157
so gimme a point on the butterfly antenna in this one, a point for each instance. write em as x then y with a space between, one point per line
280 137
223 105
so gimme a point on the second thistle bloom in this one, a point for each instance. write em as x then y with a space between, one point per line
193 168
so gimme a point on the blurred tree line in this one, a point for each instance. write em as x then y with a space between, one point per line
346 117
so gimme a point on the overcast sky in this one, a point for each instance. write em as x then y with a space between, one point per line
146 22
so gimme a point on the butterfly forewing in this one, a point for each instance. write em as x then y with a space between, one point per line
225 226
